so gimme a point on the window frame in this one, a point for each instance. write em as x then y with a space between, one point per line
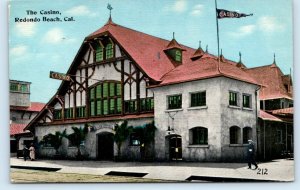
178 55
237 135
14 87
250 100
168 102
247 137
191 99
80 111
54 114
237 98
99 46
109 51
199 134
104 99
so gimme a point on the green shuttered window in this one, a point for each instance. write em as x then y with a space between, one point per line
105 99
174 102
198 99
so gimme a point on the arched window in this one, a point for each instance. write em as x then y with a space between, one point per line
178 55
198 136
235 135
105 98
109 49
247 134
98 52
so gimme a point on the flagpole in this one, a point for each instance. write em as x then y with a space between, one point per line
218 36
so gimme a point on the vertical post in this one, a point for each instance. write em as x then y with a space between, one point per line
286 138
217 22
264 140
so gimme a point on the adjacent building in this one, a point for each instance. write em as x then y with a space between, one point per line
22 111
275 129
205 108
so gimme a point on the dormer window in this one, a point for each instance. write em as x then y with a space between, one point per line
178 55
109 50
99 52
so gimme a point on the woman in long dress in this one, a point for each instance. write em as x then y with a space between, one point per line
32 152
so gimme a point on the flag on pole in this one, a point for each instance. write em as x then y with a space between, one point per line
221 13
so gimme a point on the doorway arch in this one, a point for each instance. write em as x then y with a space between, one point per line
105 146
174 147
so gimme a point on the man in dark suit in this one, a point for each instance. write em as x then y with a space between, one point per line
251 154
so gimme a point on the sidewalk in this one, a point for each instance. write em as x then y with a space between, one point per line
276 170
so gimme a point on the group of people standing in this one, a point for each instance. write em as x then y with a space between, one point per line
29 152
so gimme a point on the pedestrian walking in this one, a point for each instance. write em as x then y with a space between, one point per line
251 155
32 152
25 152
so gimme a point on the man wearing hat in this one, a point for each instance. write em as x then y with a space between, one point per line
251 155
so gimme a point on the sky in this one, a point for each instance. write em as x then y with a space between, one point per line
36 48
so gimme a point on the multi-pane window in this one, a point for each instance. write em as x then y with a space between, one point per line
234 133
246 101
24 88
178 55
14 87
147 104
19 87
68 113
109 49
174 102
80 111
198 99
57 114
99 52
233 98
199 136
130 106
105 98
247 134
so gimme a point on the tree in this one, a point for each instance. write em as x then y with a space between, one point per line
77 137
121 133
54 140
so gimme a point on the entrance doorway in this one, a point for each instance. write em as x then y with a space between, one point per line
175 146
105 142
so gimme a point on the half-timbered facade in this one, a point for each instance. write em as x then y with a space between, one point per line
204 107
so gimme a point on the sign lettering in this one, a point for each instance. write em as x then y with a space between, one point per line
59 76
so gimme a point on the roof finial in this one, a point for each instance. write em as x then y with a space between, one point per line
173 35
274 61
206 49
221 52
200 44
240 54
109 7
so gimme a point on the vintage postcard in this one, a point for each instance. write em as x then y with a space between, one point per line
151 91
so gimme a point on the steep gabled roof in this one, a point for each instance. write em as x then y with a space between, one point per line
272 79
148 52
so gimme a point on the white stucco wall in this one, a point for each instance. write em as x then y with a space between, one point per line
216 116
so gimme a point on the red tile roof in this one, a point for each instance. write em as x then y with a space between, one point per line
284 111
16 128
272 79
148 53
206 67
266 116
34 107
